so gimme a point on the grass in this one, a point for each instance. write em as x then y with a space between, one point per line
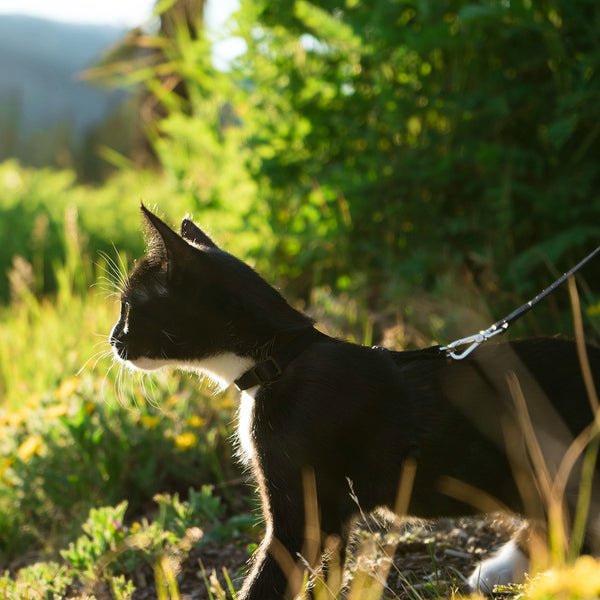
84 450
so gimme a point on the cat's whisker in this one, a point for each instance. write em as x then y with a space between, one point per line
155 401
149 397
119 385
97 357
129 396
122 268
106 279
112 278
105 380
104 356
116 276
111 291
142 384
103 342
171 337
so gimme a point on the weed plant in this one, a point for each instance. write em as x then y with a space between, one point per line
83 455
78 434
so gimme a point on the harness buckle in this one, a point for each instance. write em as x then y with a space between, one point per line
474 340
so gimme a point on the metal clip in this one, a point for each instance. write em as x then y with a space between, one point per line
475 340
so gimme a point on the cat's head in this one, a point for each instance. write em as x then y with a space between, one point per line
188 302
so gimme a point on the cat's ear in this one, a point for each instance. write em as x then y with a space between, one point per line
163 242
191 232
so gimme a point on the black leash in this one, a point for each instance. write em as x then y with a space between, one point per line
502 325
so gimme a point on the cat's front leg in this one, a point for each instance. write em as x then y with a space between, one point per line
276 573
293 536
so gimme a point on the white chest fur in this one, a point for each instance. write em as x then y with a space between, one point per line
222 370
244 430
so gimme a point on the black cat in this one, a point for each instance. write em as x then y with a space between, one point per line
311 404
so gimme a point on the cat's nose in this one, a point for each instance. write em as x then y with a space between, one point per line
113 339
117 342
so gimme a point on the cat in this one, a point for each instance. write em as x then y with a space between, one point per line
321 410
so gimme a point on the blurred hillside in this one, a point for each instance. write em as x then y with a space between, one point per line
44 104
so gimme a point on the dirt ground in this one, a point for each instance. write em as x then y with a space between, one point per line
430 559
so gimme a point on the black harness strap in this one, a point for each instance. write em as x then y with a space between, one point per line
294 343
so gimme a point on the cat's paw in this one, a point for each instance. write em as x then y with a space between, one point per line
508 565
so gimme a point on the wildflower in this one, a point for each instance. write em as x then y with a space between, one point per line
582 580
58 410
67 388
150 421
13 419
5 465
196 421
173 401
29 447
186 440
135 526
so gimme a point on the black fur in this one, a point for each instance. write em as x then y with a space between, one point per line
342 411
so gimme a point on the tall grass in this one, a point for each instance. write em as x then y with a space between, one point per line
65 436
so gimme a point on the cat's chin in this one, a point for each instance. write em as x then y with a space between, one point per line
147 364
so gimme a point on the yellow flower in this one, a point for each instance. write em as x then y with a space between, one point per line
135 526
5 464
582 580
196 421
58 410
173 400
66 388
29 447
186 440
150 421
13 419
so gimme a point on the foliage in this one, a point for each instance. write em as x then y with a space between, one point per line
391 149
110 547
110 550
70 441
395 141
78 450
443 154
40 580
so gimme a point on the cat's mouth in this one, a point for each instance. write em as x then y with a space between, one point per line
142 363
146 364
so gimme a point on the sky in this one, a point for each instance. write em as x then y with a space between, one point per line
129 13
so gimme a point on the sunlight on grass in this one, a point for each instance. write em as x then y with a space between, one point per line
44 343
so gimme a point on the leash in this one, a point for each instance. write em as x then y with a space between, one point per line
502 325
